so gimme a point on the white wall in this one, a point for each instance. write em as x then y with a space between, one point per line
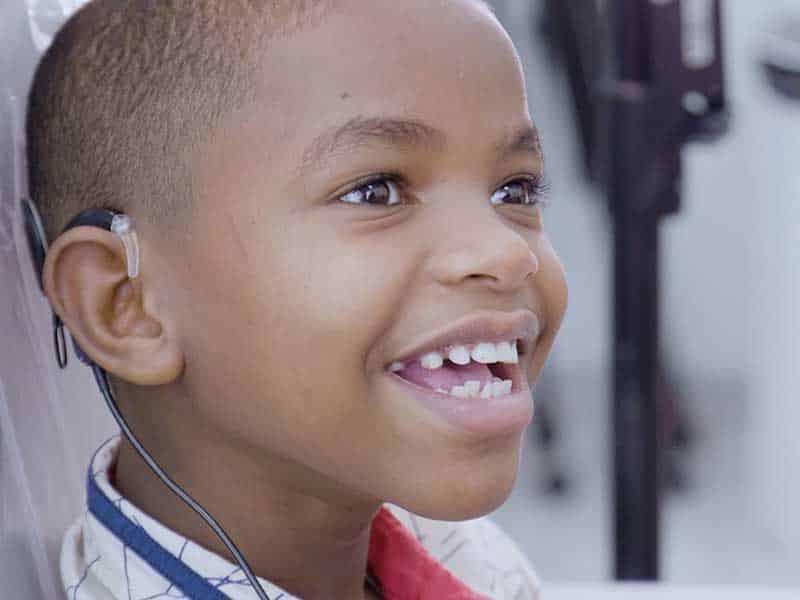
731 275
730 284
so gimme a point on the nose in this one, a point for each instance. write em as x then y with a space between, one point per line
481 246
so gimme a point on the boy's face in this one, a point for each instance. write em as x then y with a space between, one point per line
293 302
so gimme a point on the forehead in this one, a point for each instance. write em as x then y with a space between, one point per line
446 63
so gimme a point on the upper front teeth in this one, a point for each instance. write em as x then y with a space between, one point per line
484 352
459 355
432 360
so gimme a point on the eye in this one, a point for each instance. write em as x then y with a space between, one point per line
382 190
526 191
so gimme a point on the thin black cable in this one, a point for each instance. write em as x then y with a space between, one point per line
37 241
105 387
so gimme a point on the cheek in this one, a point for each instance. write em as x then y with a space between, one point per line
339 293
553 292
300 327
319 309
554 283
327 297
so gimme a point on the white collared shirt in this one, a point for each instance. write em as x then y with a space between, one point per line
115 551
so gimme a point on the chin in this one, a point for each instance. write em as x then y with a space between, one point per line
465 491
461 506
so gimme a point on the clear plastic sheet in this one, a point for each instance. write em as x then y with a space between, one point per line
46 16
49 419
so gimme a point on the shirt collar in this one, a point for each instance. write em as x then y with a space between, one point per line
152 558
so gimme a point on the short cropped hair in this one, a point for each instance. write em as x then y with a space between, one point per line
128 87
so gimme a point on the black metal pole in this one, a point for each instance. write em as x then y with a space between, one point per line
660 83
635 323
636 453
636 456
635 418
667 89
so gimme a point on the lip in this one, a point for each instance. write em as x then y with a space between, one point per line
485 418
485 326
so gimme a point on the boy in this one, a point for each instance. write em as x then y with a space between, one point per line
345 290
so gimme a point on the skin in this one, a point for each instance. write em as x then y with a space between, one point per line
249 354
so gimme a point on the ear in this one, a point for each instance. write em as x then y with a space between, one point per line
113 319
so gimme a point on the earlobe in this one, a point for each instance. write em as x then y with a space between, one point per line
86 280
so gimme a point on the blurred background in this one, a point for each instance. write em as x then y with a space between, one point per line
730 300
728 381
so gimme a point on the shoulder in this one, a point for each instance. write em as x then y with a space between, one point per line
478 552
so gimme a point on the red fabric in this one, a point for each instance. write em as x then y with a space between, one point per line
405 570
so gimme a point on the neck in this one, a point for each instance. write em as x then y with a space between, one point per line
294 529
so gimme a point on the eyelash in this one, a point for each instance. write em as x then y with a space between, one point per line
537 191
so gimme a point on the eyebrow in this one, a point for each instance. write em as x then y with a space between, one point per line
524 141
406 133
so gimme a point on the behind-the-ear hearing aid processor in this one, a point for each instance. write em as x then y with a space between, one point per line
118 223
121 225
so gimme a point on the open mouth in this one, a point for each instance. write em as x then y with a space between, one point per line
480 371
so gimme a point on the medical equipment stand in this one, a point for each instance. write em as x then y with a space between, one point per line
663 87
646 77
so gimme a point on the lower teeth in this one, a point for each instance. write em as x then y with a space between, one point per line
491 389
